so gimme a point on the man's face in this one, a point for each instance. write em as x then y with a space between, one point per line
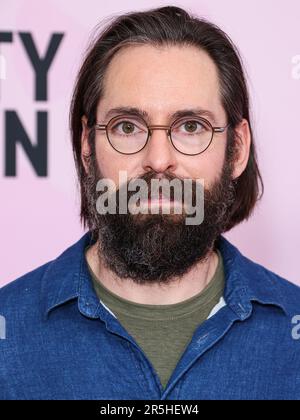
161 82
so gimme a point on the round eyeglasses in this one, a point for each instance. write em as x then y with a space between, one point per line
189 135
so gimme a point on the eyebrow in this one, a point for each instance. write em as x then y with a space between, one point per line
144 114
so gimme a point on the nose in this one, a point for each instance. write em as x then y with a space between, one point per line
159 154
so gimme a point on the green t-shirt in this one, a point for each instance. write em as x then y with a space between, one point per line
164 331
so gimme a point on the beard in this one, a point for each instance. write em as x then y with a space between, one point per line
158 248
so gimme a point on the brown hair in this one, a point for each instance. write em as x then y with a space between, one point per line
168 26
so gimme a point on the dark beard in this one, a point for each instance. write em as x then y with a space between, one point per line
156 248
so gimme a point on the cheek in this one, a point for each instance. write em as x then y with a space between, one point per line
110 162
207 166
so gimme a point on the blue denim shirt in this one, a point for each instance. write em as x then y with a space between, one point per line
62 343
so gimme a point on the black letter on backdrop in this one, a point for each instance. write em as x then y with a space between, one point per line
6 37
15 133
41 65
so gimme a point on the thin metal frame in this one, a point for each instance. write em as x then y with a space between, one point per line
161 127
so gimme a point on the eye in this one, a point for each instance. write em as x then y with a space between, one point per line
124 127
127 128
193 127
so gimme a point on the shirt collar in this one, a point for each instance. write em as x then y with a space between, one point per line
67 278
247 282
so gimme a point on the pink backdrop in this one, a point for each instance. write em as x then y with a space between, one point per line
39 216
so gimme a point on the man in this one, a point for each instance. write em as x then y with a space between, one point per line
146 305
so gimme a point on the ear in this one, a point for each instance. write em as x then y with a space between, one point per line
85 148
243 143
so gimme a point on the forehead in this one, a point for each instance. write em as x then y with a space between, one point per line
161 79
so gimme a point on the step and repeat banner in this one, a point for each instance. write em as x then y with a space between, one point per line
41 48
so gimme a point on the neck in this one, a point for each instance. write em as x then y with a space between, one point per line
177 290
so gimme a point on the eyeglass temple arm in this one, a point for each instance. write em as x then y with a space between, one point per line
220 129
100 126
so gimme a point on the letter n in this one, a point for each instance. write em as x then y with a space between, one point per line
15 134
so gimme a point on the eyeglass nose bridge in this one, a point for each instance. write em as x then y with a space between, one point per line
160 127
